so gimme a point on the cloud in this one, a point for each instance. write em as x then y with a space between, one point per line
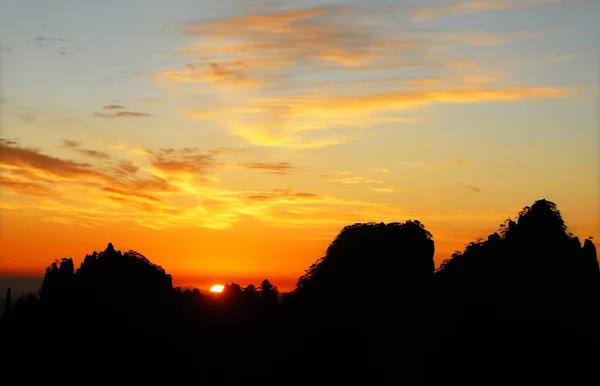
109 192
61 45
370 103
9 142
188 162
264 72
228 151
113 107
71 144
87 152
173 191
427 14
139 151
226 74
14 156
24 187
126 167
564 57
43 39
264 53
280 121
283 195
487 39
461 162
268 136
35 173
346 177
26 116
382 170
258 49
472 188
251 44
123 114
274 168
123 194
94 153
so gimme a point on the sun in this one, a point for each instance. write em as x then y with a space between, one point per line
217 288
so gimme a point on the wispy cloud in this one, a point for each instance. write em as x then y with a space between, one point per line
480 39
88 152
275 168
472 188
44 39
225 74
458 7
382 170
14 156
266 64
23 165
281 40
429 13
68 143
265 53
347 177
26 115
283 194
113 107
94 153
280 121
25 187
174 191
186 163
61 45
123 114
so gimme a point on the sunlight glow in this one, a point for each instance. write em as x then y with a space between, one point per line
217 288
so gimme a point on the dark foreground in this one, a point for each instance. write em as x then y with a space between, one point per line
521 307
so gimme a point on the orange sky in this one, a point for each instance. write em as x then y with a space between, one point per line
248 252
234 140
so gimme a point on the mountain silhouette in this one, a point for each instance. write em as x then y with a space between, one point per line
521 306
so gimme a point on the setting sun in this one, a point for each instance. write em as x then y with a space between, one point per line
217 288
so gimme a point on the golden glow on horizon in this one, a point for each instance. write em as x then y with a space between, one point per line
217 288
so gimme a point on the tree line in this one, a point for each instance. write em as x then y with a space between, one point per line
520 307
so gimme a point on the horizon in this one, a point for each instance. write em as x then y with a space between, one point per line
234 141
24 283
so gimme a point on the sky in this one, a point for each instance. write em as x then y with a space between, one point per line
233 140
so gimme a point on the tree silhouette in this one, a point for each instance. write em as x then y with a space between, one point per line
530 277
269 293
251 292
395 259
8 301
358 301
